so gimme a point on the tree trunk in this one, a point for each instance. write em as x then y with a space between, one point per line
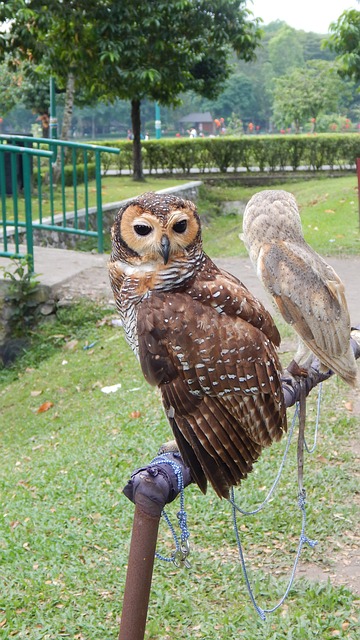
136 127
44 119
68 109
66 123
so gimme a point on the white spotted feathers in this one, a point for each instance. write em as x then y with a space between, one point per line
200 336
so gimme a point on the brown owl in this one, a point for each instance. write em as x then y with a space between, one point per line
200 336
307 291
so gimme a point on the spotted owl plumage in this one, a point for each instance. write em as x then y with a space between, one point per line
200 336
307 291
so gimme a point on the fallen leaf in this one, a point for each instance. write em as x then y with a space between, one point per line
329 211
348 406
321 459
72 344
135 414
3 623
45 407
35 393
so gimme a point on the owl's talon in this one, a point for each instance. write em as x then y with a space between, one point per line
296 371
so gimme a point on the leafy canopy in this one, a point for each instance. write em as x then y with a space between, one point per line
131 49
306 92
345 42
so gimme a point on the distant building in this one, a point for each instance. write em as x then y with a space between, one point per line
203 122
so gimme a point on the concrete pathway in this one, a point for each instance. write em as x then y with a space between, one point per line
74 274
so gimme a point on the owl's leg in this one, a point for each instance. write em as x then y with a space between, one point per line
299 366
303 354
169 447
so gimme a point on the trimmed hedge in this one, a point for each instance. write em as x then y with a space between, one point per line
264 153
80 170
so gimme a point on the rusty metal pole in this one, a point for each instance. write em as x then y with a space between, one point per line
139 575
150 488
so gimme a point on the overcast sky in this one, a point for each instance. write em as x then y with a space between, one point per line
309 15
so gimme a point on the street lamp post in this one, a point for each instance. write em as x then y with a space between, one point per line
53 118
157 122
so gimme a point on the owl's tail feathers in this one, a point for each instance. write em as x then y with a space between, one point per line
203 466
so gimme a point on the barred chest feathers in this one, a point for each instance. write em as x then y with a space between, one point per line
135 283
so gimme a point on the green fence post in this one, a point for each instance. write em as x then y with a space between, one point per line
99 213
3 198
28 213
14 188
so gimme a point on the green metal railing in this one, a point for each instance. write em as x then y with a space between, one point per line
13 225
56 164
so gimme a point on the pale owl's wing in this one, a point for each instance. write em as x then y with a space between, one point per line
219 379
311 297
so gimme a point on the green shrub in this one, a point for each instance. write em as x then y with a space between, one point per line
267 153
80 172
21 296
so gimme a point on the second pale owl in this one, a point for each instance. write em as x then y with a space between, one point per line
307 291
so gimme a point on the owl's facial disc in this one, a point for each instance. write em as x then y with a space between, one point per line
154 238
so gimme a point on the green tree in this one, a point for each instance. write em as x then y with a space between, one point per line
54 38
345 42
306 92
285 51
10 87
165 48
131 50
236 99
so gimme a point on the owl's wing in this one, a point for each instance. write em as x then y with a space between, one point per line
219 379
225 293
309 295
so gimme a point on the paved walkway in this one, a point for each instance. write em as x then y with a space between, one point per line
73 274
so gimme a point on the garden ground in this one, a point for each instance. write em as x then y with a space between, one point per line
76 275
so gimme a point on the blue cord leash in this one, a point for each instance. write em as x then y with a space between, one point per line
303 539
312 449
302 506
278 476
180 556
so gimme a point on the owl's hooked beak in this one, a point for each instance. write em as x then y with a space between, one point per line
165 248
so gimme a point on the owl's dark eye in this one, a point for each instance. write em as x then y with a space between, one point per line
180 227
142 229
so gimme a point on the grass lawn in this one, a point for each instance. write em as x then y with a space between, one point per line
113 189
328 207
65 525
